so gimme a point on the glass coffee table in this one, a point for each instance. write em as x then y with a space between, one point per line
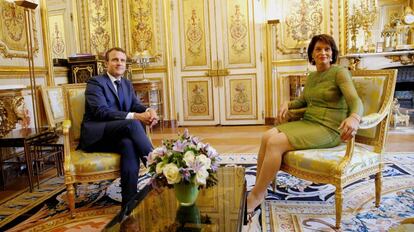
219 208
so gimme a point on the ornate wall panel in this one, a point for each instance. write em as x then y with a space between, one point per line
241 97
142 25
12 31
100 30
300 20
144 28
194 34
57 36
239 31
198 99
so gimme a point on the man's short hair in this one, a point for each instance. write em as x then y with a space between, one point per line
113 49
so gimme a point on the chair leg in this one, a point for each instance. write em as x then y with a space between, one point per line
338 206
378 188
71 199
273 184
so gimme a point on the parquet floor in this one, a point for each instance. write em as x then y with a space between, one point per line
246 139
227 139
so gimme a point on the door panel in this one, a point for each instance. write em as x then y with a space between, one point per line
217 75
198 100
240 97
194 34
238 33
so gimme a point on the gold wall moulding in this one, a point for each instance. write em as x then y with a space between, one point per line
12 34
292 36
20 72
292 62
151 69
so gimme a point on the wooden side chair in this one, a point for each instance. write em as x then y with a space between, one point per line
361 156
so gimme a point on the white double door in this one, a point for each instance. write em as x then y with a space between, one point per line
218 67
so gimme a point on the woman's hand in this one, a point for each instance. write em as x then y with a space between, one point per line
284 109
349 127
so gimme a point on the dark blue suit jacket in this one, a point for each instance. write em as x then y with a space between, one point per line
102 105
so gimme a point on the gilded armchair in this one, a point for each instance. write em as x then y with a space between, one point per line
361 156
79 166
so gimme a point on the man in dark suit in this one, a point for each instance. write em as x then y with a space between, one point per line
113 120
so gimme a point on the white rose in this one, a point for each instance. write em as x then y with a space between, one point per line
201 176
189 158
159 167
204 160
200 145
172 173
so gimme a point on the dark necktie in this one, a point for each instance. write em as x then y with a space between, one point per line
120 94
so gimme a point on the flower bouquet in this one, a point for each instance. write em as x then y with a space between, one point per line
184 163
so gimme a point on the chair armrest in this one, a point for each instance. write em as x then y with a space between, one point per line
347 157
368 121
371 120
66 125
66 145
148 131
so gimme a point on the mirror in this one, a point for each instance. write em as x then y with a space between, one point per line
370 23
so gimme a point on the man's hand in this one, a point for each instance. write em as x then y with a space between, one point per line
143 117
148 118
153 117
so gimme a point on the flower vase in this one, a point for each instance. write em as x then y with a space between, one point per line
186 193
188 215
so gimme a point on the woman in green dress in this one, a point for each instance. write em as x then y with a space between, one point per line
333 113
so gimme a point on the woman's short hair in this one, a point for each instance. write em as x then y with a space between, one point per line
325 39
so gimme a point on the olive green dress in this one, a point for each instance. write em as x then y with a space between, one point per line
329 97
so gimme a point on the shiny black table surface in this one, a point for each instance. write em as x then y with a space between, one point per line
219 208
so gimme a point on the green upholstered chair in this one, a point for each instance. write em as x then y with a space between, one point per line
361 156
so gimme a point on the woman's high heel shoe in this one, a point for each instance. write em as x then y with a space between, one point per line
253 223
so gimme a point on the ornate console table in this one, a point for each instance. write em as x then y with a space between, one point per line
11 107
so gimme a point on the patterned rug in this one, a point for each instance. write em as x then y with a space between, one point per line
299 205
296 205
